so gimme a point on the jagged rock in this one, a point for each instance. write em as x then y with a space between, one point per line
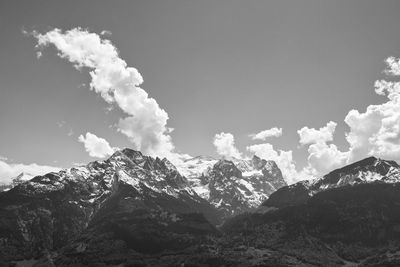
369 170
234 186
47 212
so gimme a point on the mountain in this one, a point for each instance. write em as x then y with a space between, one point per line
349 217
20 178
233 186
130 199
369 170
135 210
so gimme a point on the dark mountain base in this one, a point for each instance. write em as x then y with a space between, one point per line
141 213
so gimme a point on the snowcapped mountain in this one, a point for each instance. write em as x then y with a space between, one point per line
233 186
128 187
20 178
143 201
368 170
349 217
127 209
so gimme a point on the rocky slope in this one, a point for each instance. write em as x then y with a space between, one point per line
369 170
128 193
349 217
234 186
134 210
20 178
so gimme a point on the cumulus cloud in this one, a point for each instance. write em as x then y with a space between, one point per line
146 123
392 66
377 130
8 171
263 135
312 135
96 146
225 145
105 32
323 158
284 160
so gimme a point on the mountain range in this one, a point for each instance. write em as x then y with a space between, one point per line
136 210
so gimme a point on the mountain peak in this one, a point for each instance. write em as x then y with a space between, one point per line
133 154
365 171
227 168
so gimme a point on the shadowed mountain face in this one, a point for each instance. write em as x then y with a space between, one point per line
369 170
234 186
350 216
134 210
134 203
44 214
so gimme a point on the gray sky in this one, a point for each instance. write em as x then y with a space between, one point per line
234 66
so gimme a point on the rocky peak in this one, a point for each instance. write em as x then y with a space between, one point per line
227 169
127 154
258 163
366 171
273 174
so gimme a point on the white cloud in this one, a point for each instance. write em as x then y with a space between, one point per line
96 146
146 123
324 158
225 145
377 130
284 160
263 135
105 32
12 170
311 135
392 66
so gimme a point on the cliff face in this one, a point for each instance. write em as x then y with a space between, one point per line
134 210
44 214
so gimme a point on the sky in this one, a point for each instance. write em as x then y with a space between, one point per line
222 78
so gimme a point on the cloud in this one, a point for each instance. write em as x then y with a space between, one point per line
263 135
8 171
225 145
311 135
284 160
61 124
324 158
96 146
70 132
146 123
377 130
392 66
106 33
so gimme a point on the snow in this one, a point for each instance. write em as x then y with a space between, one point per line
195 167
252 173
202 190
246 184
